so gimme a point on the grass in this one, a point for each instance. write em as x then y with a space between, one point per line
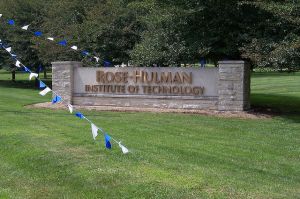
51 154
279 91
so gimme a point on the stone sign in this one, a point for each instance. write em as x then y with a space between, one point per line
225 88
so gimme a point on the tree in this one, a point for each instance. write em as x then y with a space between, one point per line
271 34
164 32
183 31
16 38
111 30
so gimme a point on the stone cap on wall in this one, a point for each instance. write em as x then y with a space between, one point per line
66 64
232 62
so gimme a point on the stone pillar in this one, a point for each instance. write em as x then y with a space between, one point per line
234 86
62 78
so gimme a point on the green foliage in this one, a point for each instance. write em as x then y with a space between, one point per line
111 30
147 32
183 31
272 33
29 12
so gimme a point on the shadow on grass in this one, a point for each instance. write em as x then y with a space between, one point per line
26 84
36 112
287 107
275 74
55 113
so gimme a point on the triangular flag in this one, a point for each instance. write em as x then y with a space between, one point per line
74 47
8 49
33 75
62 43
39 69
107 63
107 141
1 15
50 38
94 130
124 149
80 115
25 27
13 55
38 33
26 69
45 91
11 22
56 99
85 53
97 59
42 84
18 64
70 108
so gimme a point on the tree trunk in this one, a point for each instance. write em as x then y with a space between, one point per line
36 82
251 67
45 73
216 63
13 75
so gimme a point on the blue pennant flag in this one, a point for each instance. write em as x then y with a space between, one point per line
14 55
85 53
107 141
11 22
42 84
56 99
62 43
38 33
39 69
26 69
80 115
107 63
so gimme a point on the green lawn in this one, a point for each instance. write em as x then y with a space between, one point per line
279 91
51 154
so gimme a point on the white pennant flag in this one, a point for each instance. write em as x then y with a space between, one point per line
0 15
70 108
97 59
50 38
124 149
45 91
33 75
25 27
94 131
8 49
74 47
18 64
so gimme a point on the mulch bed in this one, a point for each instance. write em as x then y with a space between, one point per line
256 113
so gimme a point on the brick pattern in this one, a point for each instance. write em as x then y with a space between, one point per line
62 78
203 104
234 86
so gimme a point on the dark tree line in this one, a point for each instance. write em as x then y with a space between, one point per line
162 32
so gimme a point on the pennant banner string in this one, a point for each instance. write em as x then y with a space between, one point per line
58 98
63 43
102 131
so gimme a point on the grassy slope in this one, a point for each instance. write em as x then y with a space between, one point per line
280 91
51 154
